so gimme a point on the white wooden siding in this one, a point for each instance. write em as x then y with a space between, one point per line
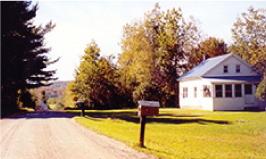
214 103
231 63
235 103
199 102
221 103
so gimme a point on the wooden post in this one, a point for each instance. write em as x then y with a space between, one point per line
82 112
142 129
82 109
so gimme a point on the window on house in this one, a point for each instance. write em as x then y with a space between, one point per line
237 68
225 69
238 90
248 89
228 90
185 92
218 91
206 91
195 92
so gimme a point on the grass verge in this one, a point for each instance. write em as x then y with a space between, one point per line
185 133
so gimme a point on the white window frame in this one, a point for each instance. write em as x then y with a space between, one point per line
185 92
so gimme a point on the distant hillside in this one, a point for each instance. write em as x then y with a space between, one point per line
53 91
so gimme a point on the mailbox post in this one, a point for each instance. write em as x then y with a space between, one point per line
146 108
81 105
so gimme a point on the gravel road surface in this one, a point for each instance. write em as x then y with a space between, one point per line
55 135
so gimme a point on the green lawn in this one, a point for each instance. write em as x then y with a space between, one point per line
185 133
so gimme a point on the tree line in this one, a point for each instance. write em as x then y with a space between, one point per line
156 50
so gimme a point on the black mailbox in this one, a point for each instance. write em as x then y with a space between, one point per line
80 104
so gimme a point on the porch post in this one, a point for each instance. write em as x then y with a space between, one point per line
223 88
243 91
233 90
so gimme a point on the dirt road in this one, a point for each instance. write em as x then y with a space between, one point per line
55 135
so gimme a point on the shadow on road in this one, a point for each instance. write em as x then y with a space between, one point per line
42 115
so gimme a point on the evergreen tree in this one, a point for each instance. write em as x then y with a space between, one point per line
27 99
23 52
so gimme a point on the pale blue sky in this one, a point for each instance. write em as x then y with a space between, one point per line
78 22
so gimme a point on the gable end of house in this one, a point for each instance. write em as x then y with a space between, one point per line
232 65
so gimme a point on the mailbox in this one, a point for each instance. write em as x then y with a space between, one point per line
148 108
80 104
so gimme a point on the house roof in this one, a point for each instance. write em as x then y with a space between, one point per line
204 66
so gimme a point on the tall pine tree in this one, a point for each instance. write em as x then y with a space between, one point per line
24 55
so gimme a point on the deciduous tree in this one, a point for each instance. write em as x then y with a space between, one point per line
154 54
97 81
249 42
210 47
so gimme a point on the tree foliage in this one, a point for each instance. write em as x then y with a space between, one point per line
97 80
68 99
44 98
27 99
23 52
249 42
154 51
261 90
208 48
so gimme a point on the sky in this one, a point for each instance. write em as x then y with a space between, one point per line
78 22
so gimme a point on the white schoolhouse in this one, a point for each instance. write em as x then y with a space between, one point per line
221 83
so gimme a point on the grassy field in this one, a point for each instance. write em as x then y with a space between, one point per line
185 133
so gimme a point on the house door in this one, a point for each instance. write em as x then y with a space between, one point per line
249 96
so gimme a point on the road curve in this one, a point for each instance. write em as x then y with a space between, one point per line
55 135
